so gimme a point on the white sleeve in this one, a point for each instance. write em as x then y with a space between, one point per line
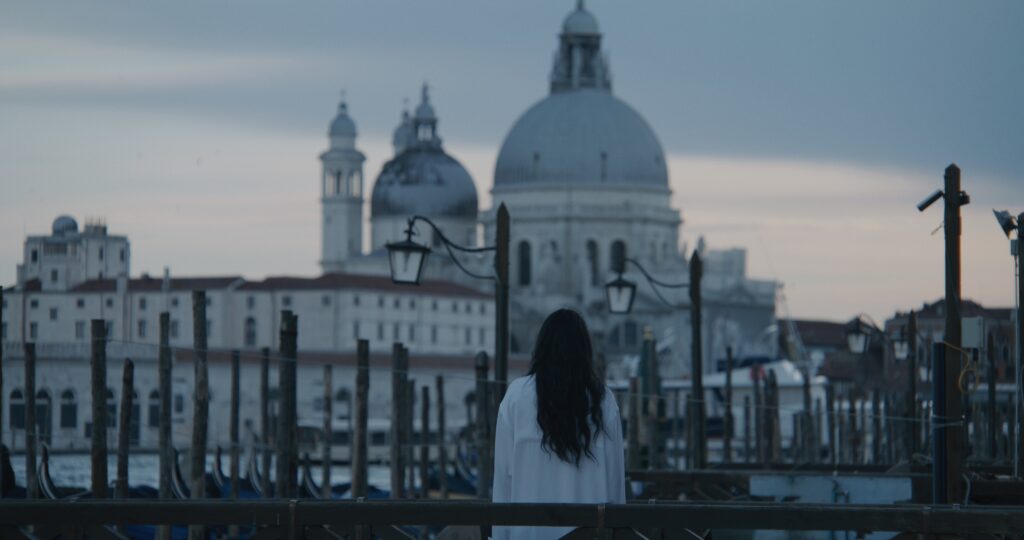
503 440
615 453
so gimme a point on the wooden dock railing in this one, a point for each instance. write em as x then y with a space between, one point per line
298 519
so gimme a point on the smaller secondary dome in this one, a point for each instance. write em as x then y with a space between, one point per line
342 125
580 21
425 181
64 224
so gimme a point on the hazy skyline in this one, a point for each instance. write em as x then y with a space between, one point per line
802 131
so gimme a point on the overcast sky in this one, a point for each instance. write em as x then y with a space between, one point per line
803 131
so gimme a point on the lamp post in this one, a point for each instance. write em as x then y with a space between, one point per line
948 411
406 259
620 293
1009 224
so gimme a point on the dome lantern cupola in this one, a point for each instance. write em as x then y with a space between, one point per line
424 124
343 129
579 62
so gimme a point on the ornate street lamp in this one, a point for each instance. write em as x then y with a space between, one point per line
620 293
1008 224
406 259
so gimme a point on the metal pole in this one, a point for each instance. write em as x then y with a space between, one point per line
501 299
699 459
953 414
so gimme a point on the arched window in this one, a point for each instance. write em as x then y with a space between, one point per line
617 260
154 409
68 409
250 332
525 265
44 416
593 263
344 398
17 407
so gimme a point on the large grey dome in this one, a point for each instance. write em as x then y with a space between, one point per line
425 181
581 136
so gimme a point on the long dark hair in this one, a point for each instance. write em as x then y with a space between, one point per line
569 394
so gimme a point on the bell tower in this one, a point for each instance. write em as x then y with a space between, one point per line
341 194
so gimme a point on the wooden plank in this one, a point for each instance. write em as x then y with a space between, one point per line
123 435
98 376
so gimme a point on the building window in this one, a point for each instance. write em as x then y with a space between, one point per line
286 301
469 308
17 406
142 328
209 301
593 263
35 255
179 403
53 276
79 329
33 331
412 332
455 307
174 328
154 409
174 302
433 305
53 314
397 303
483 308
355 300
250 332
380 331
80 302
525 268
483 335
325 300
469 336
101 254
33 303
380 301
142 304
68 409
44 416
412 303
617 260
110 302
433 333
250 301
395 332
121 255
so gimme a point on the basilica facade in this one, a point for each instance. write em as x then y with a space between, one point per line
585 180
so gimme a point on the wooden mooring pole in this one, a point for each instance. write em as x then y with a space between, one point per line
325 459
31 431
287 448
727 417
424 442
398 372
746 429
483 444
876 427
633 433
442 448
201 404
361 415
164 382
407 437
233 426
124 429
98 371
830 420
265 427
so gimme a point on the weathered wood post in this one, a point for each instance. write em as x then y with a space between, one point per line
164 435
990 353
408 437
853 441
325 459
699 454
442 448
807 421
483 436
746 429
201 403
397 421
425 442
759 434
287 449
876 427
727 432
98 369
233 426
830 419
633 435
123 429
773 414
265 426
912 433
818 426
361 415
31 437
676 444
